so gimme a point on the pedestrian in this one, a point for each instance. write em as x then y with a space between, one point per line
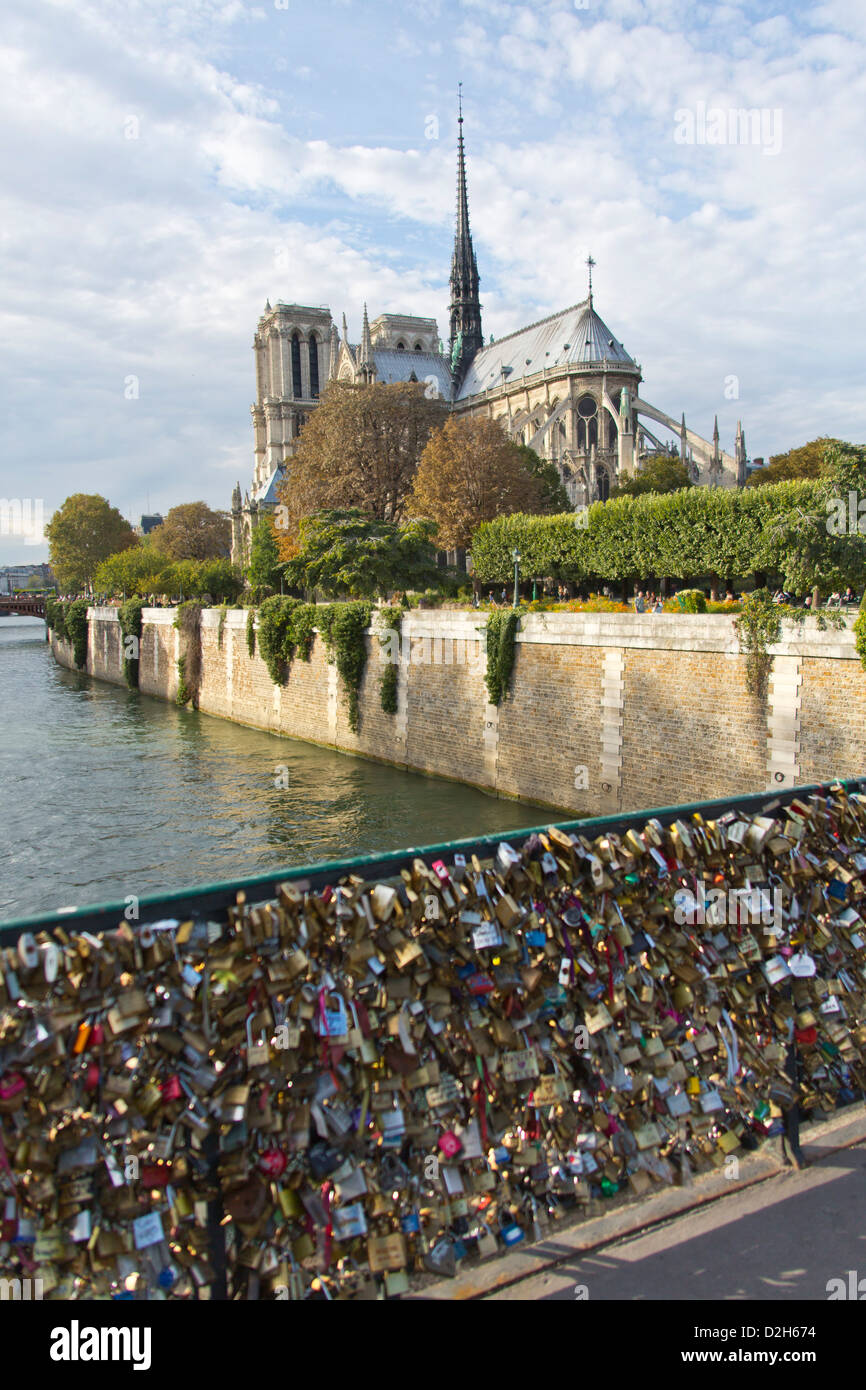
639 605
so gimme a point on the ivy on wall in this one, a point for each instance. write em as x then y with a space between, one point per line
129 616
251 631
501 633
391 620
188 623
343 627
77 630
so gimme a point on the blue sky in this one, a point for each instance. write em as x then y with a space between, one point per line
166 167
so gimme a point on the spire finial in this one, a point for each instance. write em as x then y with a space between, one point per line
460 102
589 264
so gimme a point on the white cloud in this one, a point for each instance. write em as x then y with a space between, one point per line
152 256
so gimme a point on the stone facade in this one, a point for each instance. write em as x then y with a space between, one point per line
605 713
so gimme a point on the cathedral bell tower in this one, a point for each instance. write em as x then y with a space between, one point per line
466 338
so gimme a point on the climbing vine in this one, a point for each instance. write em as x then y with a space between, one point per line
188 623
251 631
221 626
501 633
77 630
130 619
759 626
391 621
344 628
276 637
54 619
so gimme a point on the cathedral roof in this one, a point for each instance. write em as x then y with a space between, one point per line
266 493
393 365
576 335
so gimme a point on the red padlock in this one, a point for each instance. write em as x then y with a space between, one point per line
91 1076
273 1162
97 1036
450 1144
171 1089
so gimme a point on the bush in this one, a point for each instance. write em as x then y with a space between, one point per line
687 601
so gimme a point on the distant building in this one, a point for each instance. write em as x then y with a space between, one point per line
14 577
148 523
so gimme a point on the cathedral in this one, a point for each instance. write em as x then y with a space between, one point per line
566 386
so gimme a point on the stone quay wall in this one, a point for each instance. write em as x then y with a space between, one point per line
606 712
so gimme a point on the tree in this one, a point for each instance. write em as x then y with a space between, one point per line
345 552
661 473
193 531
807 461
554 497
471 472
264 567
85 530
139 570
360 449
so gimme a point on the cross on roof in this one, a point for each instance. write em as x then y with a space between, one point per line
590 263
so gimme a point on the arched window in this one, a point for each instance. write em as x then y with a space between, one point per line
418 347
314 367
581 434
603 485
593 432
297 389
401 347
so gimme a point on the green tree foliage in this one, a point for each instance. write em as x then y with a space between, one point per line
346 552
83 532
193 531
265 567
685 535
554 497
661 473
807 461
138 570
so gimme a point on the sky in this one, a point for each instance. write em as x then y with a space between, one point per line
167 167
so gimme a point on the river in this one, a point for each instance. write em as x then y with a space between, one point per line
108 793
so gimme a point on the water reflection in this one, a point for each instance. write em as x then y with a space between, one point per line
109 792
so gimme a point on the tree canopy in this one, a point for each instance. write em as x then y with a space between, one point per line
699 531
661 473
471 472
193 531
141 570
554 497
359 450
81 533
806 461
264 568
345 552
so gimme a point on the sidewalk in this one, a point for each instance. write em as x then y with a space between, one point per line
820 1141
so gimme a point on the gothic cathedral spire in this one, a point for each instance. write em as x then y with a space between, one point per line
466 337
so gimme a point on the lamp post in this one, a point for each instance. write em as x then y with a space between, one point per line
515 555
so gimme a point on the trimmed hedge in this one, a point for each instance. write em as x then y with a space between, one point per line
697 531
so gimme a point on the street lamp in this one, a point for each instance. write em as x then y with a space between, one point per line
515 555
